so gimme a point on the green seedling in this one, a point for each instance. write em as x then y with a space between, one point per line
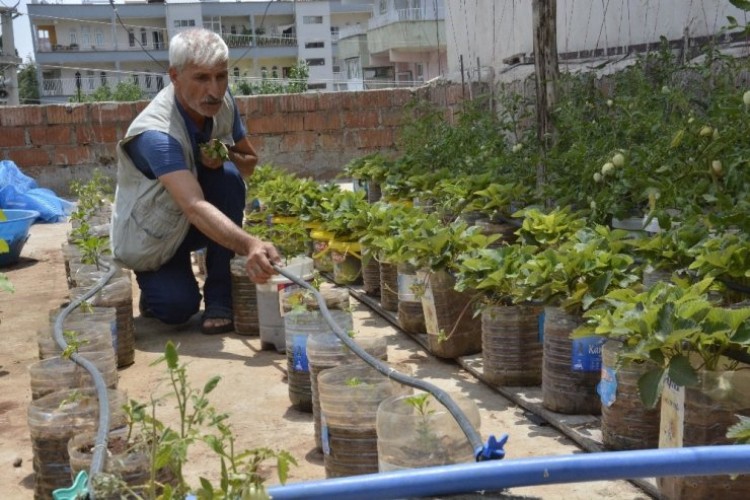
215 150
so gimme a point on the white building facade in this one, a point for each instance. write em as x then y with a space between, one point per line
81 47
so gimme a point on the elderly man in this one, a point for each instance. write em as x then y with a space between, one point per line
174 195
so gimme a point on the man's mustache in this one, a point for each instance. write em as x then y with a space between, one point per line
211 100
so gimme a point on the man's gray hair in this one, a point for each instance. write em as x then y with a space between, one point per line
197 46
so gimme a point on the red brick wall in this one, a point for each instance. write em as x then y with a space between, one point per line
311 134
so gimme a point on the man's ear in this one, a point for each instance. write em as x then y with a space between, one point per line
172 73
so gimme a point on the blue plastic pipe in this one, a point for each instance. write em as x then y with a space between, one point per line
497 475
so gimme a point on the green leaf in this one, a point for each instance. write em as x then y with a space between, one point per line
741 4
170 354
742 335
649 387
740 432
208 489
211 384
4 248
5 283
681 372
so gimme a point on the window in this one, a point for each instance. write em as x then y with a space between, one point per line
314 45
316 86
103 78
73 37
148 80
86 36
334 32
213 24
90 78
184 23
144 37
312 19
236 72
158 38
159 82
383 6
136 80
99 38
353 69
316 62
131 38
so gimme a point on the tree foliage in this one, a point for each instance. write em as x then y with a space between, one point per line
123 92
28 84
298 76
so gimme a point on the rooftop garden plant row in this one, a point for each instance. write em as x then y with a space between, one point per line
667 143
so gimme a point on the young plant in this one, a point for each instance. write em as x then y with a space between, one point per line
493 272
291 239
215 150
579 272
675 326
199 421
427 440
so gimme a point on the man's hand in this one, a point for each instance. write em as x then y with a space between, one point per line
260 262
214 154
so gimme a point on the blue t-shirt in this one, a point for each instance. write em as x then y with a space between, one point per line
157 153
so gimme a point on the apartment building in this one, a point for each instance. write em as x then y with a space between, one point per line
404 42
80 47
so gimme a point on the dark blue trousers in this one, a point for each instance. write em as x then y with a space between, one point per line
171 293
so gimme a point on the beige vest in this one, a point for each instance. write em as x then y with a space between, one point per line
147 224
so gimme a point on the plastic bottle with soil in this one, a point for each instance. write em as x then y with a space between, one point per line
302 321
328 351
270 306
418 431
349 399
53 420
84 336
54 374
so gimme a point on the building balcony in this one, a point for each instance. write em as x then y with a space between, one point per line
67 88
44 46
404 15
350 31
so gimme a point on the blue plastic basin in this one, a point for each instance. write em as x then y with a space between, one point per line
15 232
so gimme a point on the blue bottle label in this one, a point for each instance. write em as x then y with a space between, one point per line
113 331
299 354
587 354
324 435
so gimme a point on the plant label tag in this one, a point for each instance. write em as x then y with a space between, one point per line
672 415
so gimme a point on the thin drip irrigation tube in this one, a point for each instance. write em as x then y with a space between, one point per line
102 433
493 450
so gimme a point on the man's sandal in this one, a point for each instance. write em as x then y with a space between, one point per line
227 327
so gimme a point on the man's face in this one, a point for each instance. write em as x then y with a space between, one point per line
200 89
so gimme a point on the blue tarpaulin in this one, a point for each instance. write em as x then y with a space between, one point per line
19 191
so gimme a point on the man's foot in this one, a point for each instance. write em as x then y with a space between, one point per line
214 326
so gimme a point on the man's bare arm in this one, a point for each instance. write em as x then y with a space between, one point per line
209 220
